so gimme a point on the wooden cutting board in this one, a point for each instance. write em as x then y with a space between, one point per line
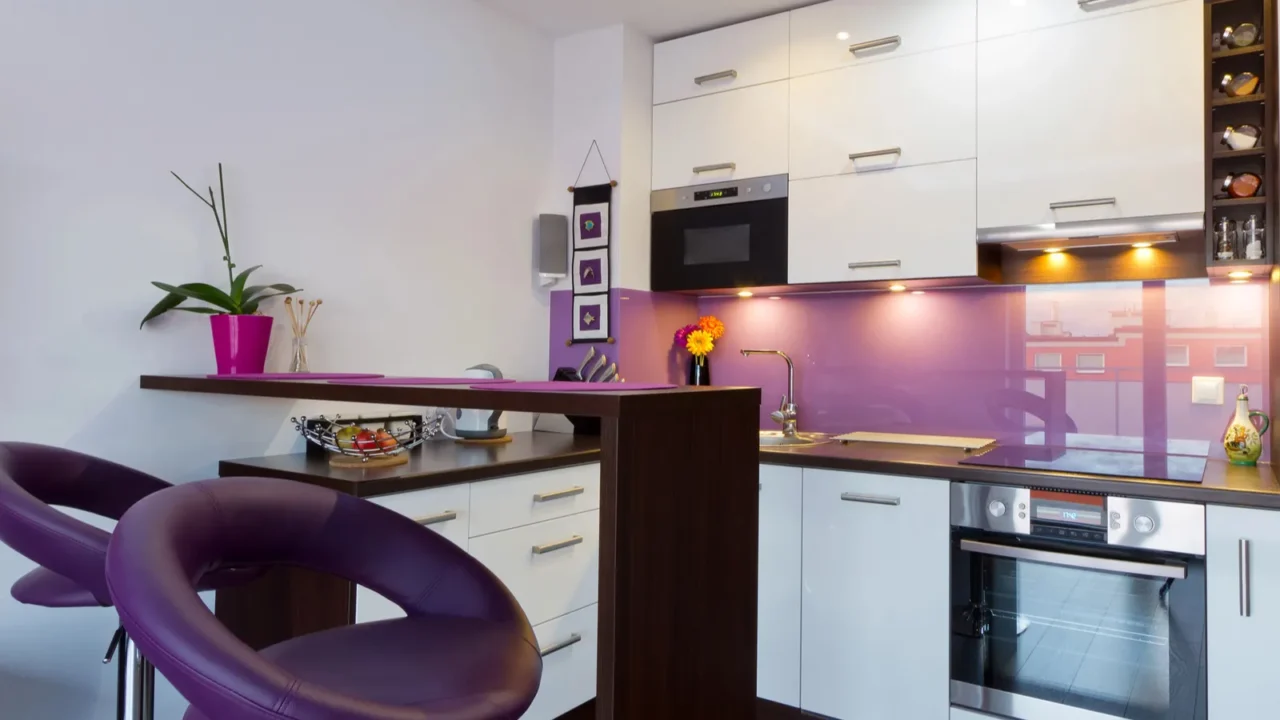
963 443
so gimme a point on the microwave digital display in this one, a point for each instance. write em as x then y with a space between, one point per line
1068 508
720 194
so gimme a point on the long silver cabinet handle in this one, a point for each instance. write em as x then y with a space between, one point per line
876 153
1082 203
544 549
712 168
572 640
445 516
559 494
875 264
716 76
873 44
871 499
1246 605
1086 562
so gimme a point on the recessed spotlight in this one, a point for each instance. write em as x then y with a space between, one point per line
745 293
897 288
842 35
1052 251
1239 282
917 292
1240 275
1141 245
775 297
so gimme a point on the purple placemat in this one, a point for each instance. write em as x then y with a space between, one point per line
426 381
295 376
554 386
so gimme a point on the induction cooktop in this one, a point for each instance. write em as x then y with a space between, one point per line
1151 466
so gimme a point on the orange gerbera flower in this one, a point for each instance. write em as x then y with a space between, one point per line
712 325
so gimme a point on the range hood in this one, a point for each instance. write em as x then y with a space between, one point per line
1113 232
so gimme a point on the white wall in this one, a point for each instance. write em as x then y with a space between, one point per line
387 155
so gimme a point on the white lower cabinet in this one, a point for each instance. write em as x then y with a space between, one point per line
1243 612
778 624
568 664
875 631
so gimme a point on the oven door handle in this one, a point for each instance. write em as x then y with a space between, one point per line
1087 562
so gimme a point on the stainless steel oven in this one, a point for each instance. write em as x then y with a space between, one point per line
1075 606
719 236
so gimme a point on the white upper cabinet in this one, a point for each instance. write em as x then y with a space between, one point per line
905 223
1093 120
734 57
915 110
726 136
1006 17
852 32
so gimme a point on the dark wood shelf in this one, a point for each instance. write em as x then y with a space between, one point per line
1254 98
1251 152
1237 202
1236 52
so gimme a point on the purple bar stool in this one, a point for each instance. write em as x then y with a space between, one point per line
72 555
465 651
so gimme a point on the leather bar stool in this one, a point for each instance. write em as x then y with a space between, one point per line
72 554
465 651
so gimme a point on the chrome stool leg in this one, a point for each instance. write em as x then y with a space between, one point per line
135 680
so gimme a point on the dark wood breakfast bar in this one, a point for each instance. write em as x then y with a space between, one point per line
679 512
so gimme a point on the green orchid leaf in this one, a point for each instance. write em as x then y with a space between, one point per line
204 293
170 302
201 310
237 285
250 308
260 292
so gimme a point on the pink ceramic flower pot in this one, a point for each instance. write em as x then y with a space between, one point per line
240 342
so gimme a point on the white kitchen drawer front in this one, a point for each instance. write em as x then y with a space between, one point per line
870 226
729 136
1095 135
569 647
852 32
443 510
552 567
732 57
1006 17
915 110
510 502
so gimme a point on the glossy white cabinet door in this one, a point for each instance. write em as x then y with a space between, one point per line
778 656
875 626
874 222
1070 114
924 105
727 136
1006 17
1242 684
746 54
569 645
822 35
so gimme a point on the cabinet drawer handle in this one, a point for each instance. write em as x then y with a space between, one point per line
875 264
1246 609
1082 203
876 153
712 168
544 549
716 76
871 499
559 494
443 517
572 640
873 44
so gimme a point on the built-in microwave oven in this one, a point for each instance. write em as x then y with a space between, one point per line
721 235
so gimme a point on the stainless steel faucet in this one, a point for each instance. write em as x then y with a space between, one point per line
786 413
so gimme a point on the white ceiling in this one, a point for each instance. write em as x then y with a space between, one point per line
660 19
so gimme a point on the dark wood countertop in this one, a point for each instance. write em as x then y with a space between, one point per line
434 464
1224 484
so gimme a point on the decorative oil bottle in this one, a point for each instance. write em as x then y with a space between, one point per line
1243 439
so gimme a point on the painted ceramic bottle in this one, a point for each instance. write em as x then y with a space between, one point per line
1243 440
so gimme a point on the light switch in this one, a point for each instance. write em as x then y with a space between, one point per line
1207 390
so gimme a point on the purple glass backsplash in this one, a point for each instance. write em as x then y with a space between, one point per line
1106 364
642 325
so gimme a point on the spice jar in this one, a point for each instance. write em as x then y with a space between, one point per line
1245 83
1254 238
1242 35
1241 185
1241 137
1224 239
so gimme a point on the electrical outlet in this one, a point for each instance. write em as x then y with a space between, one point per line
1207 390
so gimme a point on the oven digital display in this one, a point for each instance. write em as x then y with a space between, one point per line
1068 508
1069 515
720 194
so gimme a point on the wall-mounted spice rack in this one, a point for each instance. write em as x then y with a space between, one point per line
1246 99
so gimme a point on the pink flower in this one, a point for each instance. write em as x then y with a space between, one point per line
683 333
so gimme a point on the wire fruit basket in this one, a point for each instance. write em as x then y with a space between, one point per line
351 444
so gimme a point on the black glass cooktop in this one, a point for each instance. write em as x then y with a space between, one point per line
1151 466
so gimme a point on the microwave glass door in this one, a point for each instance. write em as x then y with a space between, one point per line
737 245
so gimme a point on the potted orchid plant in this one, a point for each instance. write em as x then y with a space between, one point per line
700 341
240 331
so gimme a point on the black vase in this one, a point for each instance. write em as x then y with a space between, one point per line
699 373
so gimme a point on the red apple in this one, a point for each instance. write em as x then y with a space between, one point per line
366 440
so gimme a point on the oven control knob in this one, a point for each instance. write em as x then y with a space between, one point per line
768 187
1144 524
996 508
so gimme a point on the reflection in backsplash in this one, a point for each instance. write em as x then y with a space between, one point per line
1106 364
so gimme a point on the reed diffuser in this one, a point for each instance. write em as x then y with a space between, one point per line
300 315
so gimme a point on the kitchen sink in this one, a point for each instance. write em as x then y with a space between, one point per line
774 438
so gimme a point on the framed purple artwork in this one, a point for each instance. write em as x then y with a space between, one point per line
591 317
591 226
591 271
